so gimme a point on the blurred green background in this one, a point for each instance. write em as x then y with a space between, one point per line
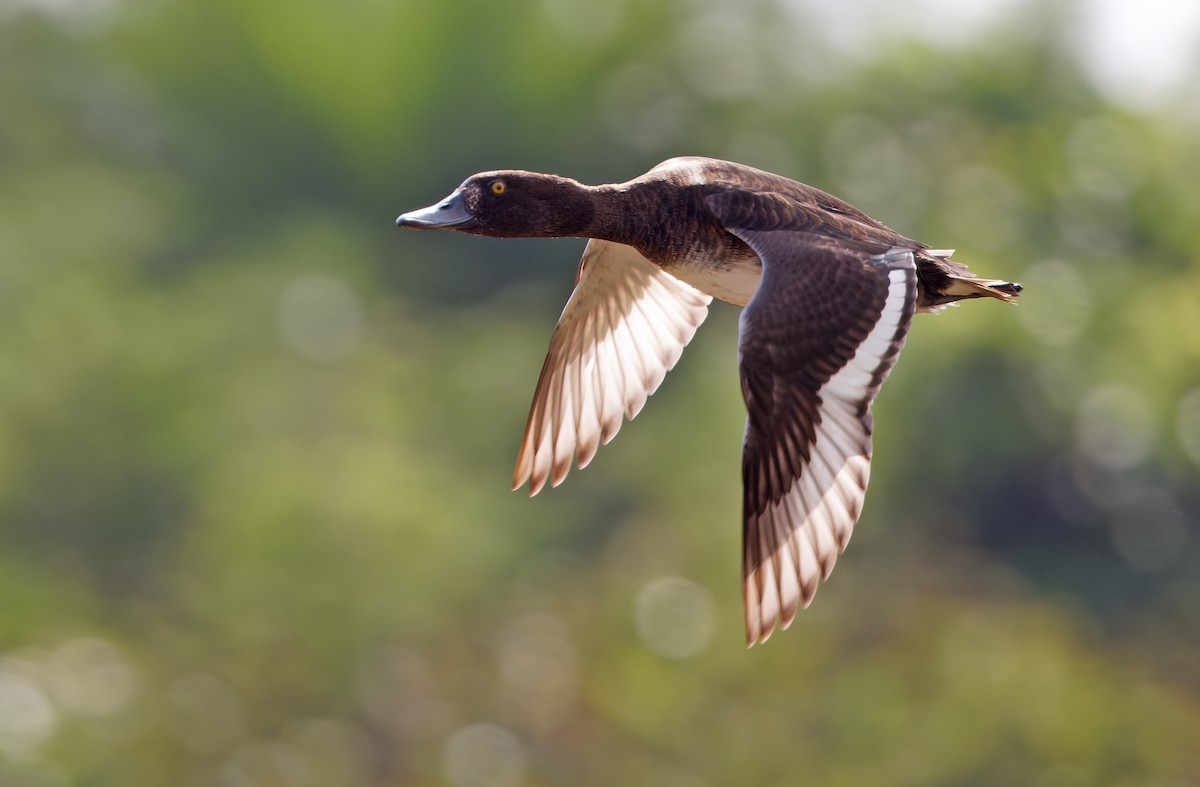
255 443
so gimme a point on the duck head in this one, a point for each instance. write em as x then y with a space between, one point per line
510 204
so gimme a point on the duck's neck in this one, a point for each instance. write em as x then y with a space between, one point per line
630 213
610 214
647 218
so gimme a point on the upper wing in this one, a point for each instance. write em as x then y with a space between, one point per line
816 341
622 330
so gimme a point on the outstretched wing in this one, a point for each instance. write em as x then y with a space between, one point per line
622 330
816 341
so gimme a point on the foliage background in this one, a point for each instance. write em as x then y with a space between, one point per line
254 443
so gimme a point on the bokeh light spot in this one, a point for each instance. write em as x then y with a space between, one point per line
331 750
1063 307
89 677
1114 427
674 617
484 755
538 670
27 718
395 690
1104 486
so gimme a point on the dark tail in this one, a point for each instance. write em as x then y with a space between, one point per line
946 281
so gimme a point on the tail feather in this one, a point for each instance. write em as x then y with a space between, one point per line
962 287
946 281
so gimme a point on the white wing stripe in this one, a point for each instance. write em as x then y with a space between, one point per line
814 519
849 382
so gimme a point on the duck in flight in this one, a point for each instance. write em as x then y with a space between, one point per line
828 294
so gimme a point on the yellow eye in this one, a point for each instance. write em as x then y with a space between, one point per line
498 187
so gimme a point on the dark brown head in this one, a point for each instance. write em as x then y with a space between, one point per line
510 204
